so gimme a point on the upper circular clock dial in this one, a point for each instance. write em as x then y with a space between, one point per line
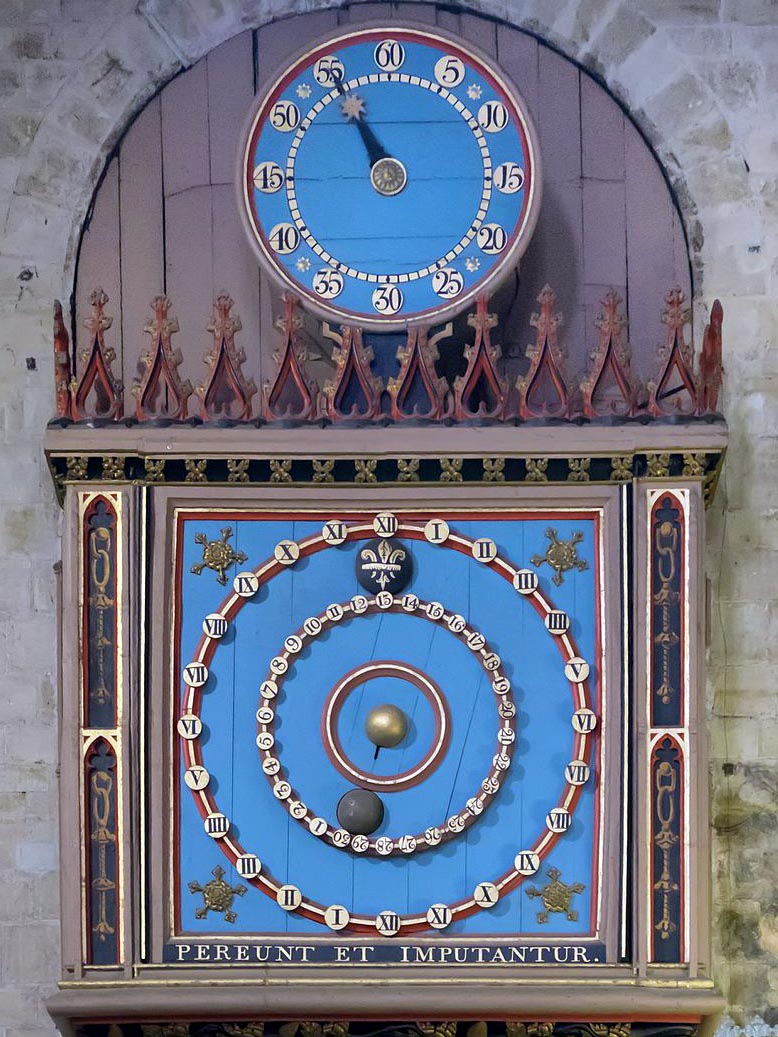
389 175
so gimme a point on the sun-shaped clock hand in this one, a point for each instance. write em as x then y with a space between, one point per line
387 174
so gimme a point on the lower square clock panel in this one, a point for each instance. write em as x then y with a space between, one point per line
387 726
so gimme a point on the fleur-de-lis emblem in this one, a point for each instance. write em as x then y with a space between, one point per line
385 564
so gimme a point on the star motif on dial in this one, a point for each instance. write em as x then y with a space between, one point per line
472 263
474 91
353 107
303 91
303 264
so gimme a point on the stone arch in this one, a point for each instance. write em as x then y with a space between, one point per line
143 49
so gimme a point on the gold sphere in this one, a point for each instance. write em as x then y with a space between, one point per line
386 726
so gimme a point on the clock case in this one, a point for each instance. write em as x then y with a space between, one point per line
116 748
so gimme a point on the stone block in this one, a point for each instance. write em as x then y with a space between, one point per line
36 858
620 36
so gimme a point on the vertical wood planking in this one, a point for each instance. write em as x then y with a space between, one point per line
141 218
448 21
649 249
99 266
185 130
480 31
602 133
415 12
276 42
189 238
230 69
360 13
517 53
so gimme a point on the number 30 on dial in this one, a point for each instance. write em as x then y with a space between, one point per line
389 175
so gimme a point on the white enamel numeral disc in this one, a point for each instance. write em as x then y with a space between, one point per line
214 625
293 644
486 894
282 790
285 116
385 524
312 626
265 715
360 843
584 721
189 726
337 917
289 898
384 600
334 532
436 531
526 862
268 178
435 610
449 71
576 670
484 549
268 689
317 825
491 238
265 740
558 820
195 675
509 178
577 772
286 552
456 623
389 55
325 67
557 622
439 916
492 116
410 602
328 284
245 585
526 581
388 923
248 865
447 283
196 778
387 298
216 825
432 836
359 604
271 766
284 238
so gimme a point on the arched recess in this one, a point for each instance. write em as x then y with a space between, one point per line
164 218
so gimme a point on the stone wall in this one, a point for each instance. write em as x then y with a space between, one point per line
701 77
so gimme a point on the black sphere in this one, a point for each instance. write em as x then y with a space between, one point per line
360 812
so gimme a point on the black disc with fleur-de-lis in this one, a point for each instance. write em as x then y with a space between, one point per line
384 564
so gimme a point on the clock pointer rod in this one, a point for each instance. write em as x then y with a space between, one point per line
375 152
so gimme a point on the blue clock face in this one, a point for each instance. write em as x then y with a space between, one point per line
388 176
375 763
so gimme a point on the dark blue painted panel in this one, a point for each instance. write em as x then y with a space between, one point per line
533 784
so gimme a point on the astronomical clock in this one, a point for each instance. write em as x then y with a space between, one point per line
384 711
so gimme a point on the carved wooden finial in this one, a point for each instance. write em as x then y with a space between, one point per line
97 393
417 391
225 392
354 391
62 365
609 388
291 395
480 392
674 392
543 391
160 393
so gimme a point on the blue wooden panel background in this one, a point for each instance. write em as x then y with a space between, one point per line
533 785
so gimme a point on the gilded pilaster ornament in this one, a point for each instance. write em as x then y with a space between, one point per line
365 469
451 469
578 469
536 469
621 468
166 1030
324 471
155 468
281 470
408 470
693 464
494 469
76 467
438 1029
113 467
658 466
238 470
195 470
243 1029
335 1029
